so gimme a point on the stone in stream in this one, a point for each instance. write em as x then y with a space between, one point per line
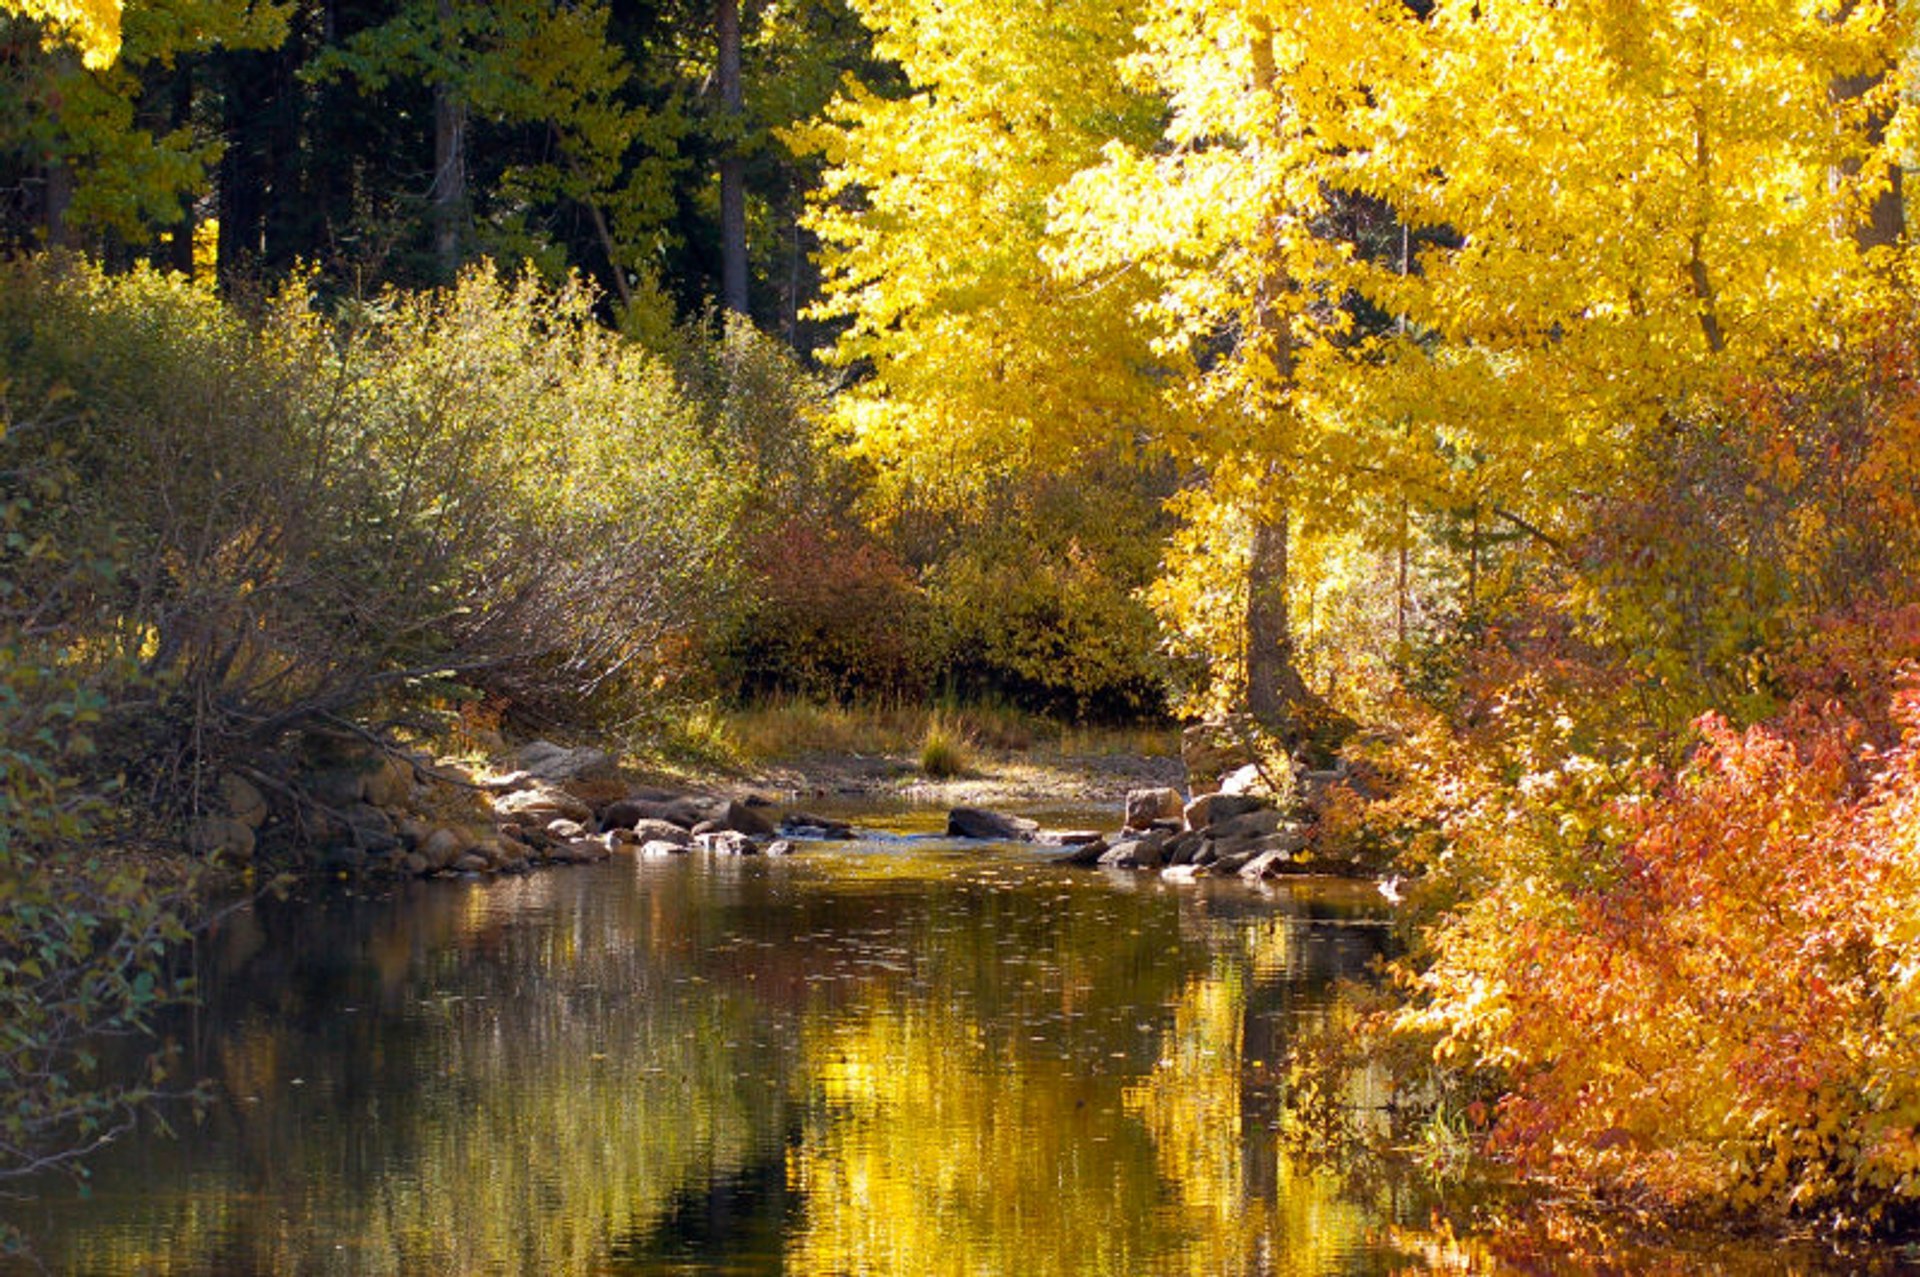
1144 806
990 826
655 847
779 847
726 842
1209 809
1087 853
805 824
1066 837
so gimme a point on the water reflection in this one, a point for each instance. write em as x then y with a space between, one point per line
884 1058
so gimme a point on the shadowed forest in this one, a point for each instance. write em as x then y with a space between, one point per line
1501 419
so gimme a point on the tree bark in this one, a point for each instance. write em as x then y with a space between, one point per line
1274 686
733 175
447 198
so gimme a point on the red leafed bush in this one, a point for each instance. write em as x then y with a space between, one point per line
1727 1012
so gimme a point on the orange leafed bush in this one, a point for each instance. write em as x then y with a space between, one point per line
1729 1015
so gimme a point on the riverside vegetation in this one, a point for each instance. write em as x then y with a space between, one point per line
1501 417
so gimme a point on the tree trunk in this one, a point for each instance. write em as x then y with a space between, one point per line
1885 224
179 247
733 175
1274 686
448 195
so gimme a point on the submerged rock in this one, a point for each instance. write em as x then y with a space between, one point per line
990 826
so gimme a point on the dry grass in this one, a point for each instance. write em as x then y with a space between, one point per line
780 730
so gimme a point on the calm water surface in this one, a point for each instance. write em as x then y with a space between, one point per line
896 1056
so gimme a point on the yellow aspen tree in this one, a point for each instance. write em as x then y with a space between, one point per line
1225 216
91 26
933 220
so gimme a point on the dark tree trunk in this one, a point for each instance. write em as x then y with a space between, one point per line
447 198
733 176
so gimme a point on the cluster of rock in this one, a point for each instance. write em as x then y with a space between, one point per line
402 814
1214 835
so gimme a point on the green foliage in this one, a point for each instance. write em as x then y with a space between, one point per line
84 930
315 512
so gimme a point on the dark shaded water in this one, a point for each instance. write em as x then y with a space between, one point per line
890 1057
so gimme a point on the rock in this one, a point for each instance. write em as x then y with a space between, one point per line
390 784
545 760
1231 864
1245 780
1144 806
706 827
779 847
1182 848
413 831
415 864
243 802
222 838
805 824
622 840
1288 840
684 811
1263 865
1137 853
743 819
726 842
538 807
1214 748
340 786
1209 809
343 859
1248 824
471 863
1066 837
660 847
1087 853
564 829
991 826
442 847
663 831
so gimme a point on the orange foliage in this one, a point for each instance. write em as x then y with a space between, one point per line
1728 1015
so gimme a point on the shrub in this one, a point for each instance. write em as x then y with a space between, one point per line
943 751
311 514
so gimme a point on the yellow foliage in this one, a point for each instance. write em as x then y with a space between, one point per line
92 26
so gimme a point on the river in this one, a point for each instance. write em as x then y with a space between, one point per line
898 1055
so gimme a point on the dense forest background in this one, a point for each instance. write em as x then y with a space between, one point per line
1514 400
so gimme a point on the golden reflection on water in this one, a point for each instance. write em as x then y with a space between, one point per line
875 1060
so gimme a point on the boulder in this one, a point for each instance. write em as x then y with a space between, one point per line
1211 808
779 847
442 847
1087 853
660 847
545 760
622 840
340 786
1066 837
662 831
1149 852
538 807
471 863
242 801
726 842
1214 748
990 826
683 811
1144 806
1182 848
563 829
222 838
805 824
391 783
1248 824
415 864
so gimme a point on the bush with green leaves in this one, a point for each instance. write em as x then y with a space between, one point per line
314 510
